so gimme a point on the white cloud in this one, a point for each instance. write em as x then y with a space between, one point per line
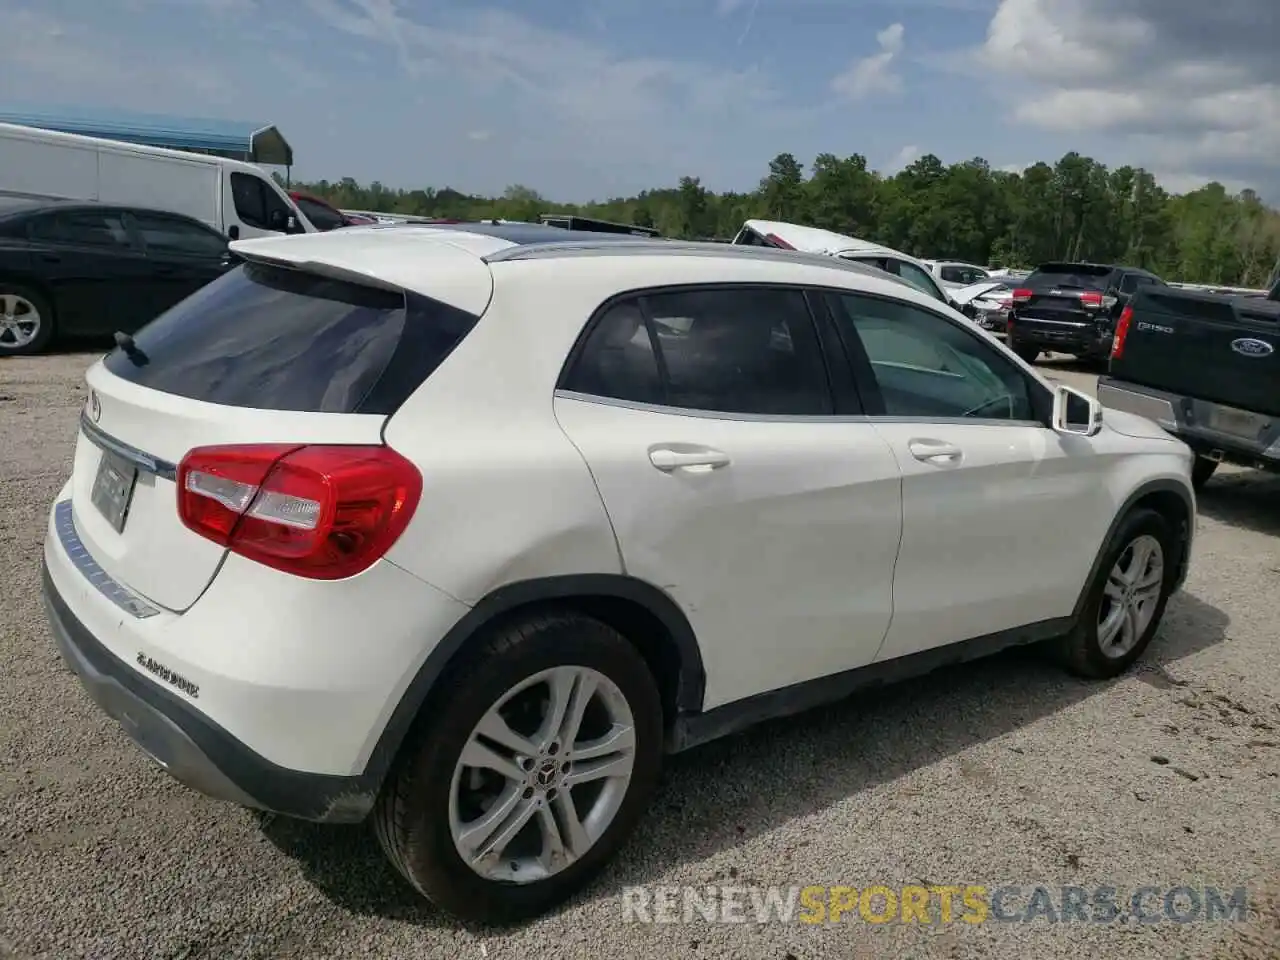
875 73
726 7
903 158
646 106
479 136
1178 85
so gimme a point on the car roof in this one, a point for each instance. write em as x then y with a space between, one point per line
11 206
452 262
817 240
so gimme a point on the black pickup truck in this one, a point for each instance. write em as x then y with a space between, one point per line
1072 308
1206 367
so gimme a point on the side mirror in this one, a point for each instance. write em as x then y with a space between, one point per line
293 226
233 232
1075 413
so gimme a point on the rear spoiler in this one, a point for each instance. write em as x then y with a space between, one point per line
321 269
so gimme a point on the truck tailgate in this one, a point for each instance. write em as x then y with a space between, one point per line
1222 349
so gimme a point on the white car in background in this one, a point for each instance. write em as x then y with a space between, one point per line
482 522
793 236
987 302
954 274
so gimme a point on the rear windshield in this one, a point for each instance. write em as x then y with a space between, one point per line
1081 276
279 339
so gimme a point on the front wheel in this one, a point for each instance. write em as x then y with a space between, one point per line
26 321
529 773
1126 600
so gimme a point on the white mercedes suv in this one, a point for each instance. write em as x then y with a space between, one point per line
463 529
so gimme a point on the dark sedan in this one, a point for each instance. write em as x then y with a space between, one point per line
88 269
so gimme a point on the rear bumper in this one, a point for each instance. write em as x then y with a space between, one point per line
189 747
1061 336
1254 443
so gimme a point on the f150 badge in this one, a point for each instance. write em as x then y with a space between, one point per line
1252 347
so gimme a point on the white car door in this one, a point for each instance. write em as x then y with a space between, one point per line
735 484
1001 515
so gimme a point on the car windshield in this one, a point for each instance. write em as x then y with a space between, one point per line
1081 276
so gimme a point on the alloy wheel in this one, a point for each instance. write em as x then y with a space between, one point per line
542 775
1131 596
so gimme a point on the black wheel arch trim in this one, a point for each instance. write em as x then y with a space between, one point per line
691 684
1142 491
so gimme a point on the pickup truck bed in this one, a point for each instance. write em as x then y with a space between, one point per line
1206 368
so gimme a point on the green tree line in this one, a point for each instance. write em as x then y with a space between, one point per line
1075 209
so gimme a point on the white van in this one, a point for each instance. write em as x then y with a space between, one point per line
237 199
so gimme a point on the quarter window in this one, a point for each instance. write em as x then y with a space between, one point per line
747 350
926 366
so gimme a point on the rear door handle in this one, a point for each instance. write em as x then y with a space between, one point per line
700 460
934 451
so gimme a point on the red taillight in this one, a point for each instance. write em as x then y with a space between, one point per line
1021 295
1122 331
1091 300
778 242
324 512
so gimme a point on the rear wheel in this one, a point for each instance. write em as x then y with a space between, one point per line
1201 471
1127 599
26 321
529 774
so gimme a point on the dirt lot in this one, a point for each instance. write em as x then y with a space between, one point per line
1003 772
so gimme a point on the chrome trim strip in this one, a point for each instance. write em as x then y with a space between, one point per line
1156 408
784 418
65 524
139 458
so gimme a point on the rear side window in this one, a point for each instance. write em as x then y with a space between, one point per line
1077 276
744 350
277 339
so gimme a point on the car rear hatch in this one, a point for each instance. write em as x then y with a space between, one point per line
1222 349
1063 293
276 352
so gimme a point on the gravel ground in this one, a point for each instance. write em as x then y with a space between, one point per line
1001 772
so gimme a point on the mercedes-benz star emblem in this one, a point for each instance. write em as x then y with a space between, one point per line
95 407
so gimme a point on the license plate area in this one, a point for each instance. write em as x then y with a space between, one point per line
1238 423
113 487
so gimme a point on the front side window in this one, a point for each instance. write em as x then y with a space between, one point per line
170 235
925 366
742 350
918 278
250 200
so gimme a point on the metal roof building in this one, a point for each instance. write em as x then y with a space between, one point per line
238 140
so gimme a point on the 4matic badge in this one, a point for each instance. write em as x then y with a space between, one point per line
168 676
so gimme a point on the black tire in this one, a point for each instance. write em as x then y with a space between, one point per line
1201 471
1080 651
1025 353
411 819
44 336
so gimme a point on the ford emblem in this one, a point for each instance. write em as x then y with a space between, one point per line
1251 347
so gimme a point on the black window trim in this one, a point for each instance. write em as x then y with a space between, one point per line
864 374
841 385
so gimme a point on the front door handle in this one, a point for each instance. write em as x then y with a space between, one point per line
934 451
699 459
